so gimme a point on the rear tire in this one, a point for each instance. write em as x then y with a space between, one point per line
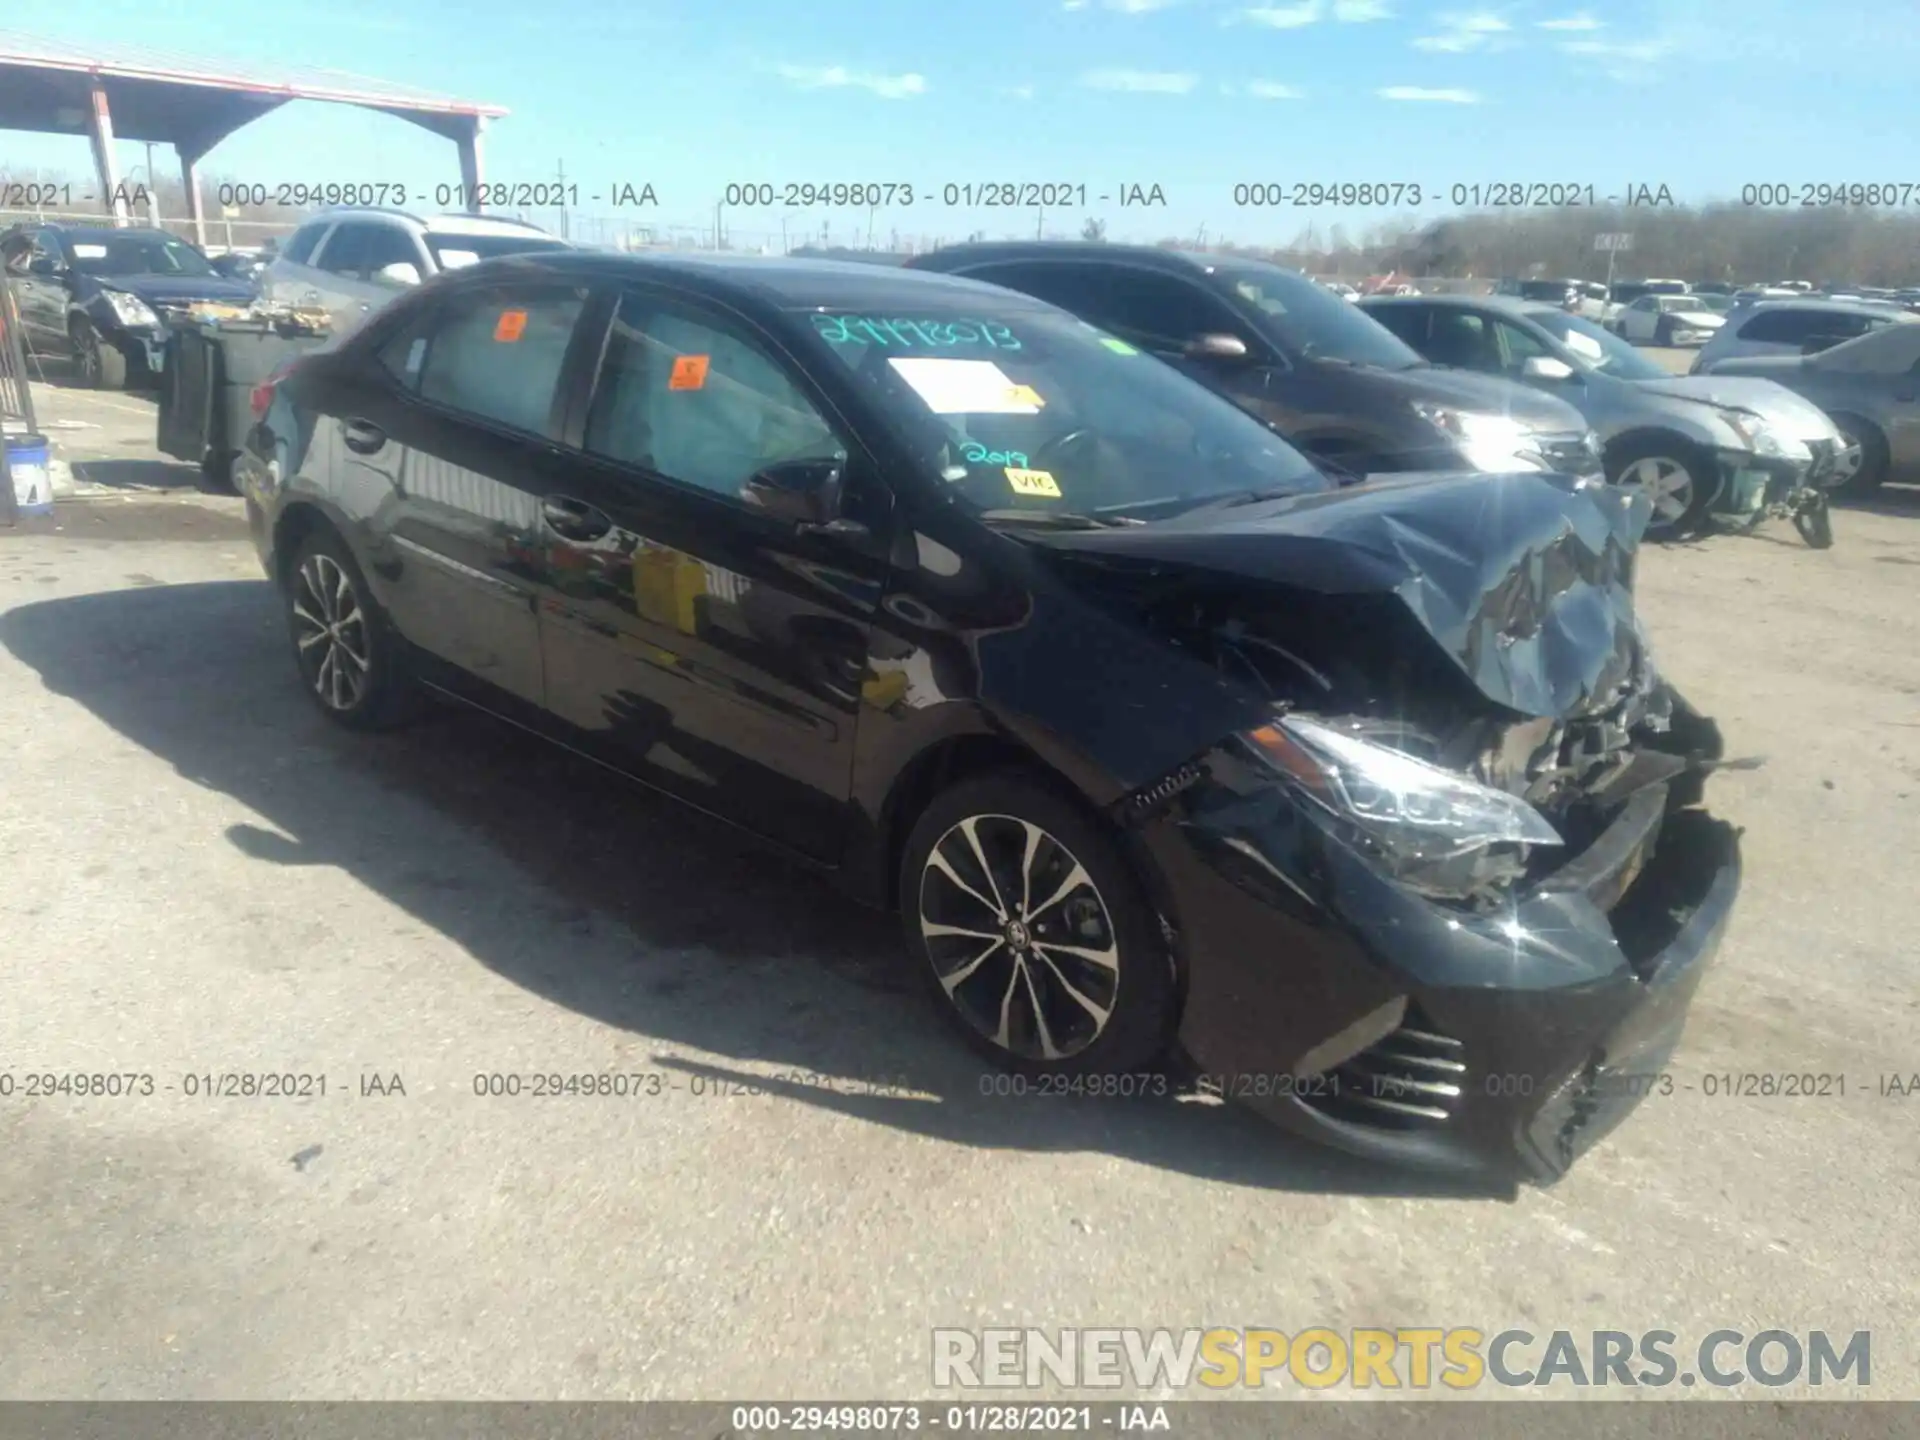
1870 471
1678 478
1031 933
351 659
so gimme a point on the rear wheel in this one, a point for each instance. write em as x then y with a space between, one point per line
1862 465
349 655
1031 933
1678 479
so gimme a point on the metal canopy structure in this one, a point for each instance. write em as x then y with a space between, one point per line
193 104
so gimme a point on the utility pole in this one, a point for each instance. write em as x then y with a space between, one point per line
1040 222
563 199
153 190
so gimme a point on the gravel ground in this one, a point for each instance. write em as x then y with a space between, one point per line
205 877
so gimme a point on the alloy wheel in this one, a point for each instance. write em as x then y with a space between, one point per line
330 628
1667 483
1848 460
90 358
1019 937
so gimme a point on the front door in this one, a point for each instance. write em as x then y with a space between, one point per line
693 638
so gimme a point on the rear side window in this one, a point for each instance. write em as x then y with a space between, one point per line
494 354
300 248
1787 327
1409 322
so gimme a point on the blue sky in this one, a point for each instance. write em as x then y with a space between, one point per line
1191 95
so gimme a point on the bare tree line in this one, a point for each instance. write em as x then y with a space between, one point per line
1725 242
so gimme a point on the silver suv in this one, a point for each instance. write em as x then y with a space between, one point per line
352 262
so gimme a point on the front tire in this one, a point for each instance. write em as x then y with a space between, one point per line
1864 451
350 657
1677 478
1031 933
1663 332
99 361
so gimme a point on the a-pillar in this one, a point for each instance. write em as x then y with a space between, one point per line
101 133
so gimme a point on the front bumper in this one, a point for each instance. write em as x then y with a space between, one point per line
1355 1012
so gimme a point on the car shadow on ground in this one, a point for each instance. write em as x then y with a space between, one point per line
734 952
139 475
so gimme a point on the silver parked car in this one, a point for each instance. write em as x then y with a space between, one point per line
1668 320
1870 389
1794 327
1684 439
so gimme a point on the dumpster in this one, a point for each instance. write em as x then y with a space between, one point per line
212 367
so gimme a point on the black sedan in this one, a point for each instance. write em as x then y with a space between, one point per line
1370 798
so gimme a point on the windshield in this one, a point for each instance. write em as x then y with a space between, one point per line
1034 413
1596 349
1310 321
453 252
137 255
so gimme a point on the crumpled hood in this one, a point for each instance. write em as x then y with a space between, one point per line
1785 411
1525 581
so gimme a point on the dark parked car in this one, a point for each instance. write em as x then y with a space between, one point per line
102 296
1369 796
1289 351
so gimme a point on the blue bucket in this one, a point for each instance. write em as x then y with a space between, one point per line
29 460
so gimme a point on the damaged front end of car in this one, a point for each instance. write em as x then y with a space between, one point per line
1448 903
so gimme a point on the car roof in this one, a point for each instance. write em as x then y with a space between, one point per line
455 224
95 233
1814 302
1155 256
779 280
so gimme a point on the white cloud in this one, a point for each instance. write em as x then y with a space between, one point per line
1073 4
838 77
1637 52
1138 7
1286 17
1138 82
1271 90
1463 31
1582 21
1437 97
1021 92
1361 12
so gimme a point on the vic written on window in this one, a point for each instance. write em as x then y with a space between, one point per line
691 399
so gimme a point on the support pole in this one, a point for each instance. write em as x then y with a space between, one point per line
472 174
101 133
190 178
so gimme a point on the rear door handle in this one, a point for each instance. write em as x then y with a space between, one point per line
363 437
574 519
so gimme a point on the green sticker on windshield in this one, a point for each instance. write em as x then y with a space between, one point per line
1119 347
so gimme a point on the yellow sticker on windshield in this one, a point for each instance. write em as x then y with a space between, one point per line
1025 395
1119 347
1033 482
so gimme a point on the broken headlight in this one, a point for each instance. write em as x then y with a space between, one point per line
1437 832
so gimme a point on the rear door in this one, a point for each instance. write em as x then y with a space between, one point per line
448 452
43 295
693 638
291 278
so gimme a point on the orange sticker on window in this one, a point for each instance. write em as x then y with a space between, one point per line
689 372
511 326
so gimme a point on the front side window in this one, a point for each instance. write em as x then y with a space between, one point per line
300 247
1592 348
1019 410
345 251
696 399
497 354
388 245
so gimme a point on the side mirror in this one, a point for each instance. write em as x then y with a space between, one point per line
1215 347
401 272
1545 367
804 492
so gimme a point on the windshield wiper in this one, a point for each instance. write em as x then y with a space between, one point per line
1057 519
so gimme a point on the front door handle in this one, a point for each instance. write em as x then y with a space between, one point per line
363 437
574 519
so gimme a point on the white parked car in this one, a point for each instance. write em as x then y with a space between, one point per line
1667 320
352 262
1794 327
